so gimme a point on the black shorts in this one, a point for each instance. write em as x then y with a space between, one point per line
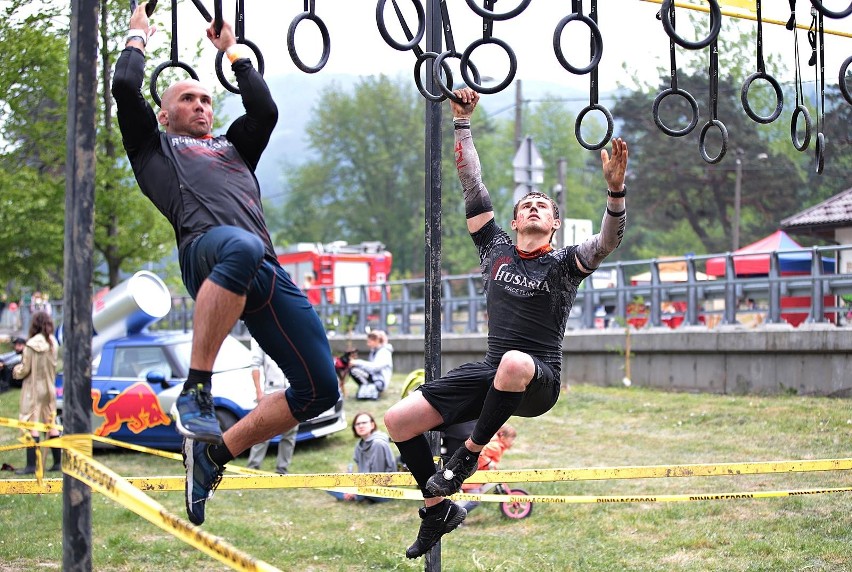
458 395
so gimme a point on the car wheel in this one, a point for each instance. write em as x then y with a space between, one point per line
226 419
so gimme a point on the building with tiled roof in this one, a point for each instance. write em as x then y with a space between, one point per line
830 220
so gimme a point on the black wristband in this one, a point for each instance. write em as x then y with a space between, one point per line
617 195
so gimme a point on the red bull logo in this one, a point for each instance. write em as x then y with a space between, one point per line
138 406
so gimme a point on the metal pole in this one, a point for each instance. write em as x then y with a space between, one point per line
432 135
79 246
519 102
735 231
562 200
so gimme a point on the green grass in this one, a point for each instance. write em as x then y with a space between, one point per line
307 530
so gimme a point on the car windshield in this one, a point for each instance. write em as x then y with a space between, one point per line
232 355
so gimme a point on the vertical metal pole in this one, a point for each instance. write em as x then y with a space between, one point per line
432 136
519 113
79 246
735 231
561 166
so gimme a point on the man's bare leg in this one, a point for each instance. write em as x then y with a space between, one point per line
271 417
216 312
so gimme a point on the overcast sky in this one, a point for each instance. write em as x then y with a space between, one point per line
630 32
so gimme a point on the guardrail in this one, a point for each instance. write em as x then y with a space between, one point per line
654 300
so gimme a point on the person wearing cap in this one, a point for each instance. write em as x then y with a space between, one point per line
6 370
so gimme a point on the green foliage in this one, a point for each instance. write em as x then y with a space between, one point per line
33 94
367 182
683 204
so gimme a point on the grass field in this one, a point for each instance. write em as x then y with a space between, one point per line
307 530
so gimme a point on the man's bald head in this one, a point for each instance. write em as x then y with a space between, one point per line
187 109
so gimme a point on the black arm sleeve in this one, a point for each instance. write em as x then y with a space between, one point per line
250 132
136 119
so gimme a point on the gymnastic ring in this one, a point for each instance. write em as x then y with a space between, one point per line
794 135
820 153
715 27
779 97
596 39
436 76
383 30
609 126
489 15
689 99
702 143
841 80
419 83
291 43
159 69
220 73
465 62
828 13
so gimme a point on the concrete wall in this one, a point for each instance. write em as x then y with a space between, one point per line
809 360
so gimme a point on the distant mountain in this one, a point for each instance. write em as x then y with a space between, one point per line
296 96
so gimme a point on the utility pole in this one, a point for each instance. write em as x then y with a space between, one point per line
735 231
519 102
560 192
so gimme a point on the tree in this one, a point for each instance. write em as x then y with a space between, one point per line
367 182
684 204
33 94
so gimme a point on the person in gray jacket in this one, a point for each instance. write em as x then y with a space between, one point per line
374 373
372 454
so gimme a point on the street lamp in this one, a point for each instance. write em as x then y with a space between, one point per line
735 232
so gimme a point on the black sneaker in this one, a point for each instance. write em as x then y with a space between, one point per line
202 478
449 480
195 416
435 522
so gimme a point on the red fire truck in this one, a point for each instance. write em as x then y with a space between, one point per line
339 267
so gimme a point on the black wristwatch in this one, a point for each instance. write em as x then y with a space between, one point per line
618 195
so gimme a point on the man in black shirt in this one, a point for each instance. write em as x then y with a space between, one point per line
206 187
529 289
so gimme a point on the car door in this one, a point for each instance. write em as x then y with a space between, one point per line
125 403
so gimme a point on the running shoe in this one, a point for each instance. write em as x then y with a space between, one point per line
436 521
202 478
449 480
195 417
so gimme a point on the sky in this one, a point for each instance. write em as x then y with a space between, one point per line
631 34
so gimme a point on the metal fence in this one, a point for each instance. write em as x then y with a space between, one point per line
642 293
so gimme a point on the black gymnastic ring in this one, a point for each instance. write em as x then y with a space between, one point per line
220 73
596 39
820 153
689 99
383 30
436 76
291 42
489 15
844 87
715 27
465 63
794 135
419 83
779 97
702 141
159 69
828 13
609 126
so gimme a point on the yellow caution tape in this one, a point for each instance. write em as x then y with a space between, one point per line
112 485
28 425
741 10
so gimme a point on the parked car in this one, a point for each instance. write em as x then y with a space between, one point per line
137 378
